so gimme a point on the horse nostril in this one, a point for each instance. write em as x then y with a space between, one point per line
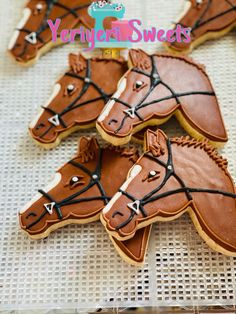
39 126
31 214
112 121
117 213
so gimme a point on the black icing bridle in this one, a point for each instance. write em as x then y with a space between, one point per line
95 179
32 37
57 118
137 206
200 22
155 80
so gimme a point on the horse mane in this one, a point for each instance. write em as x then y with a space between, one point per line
129 152
187 59
206 146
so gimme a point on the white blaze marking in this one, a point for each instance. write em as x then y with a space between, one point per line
110 104
133 173
49 187
56 90
21 24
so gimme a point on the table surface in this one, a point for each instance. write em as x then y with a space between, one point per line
77 266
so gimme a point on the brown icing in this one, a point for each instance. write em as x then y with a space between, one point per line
104 75
23 51
112 160
136 247
163 95
208 16
190 174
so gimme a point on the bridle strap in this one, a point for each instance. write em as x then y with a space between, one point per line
155 81
95 178
72 106
170 172
45 26
200 21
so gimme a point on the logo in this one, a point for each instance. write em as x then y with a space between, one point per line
122 33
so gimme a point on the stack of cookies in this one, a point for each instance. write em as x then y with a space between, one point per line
129 101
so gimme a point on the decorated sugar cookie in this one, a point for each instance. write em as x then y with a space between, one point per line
155 88
208 19
172 177
78 98
33 36
79 192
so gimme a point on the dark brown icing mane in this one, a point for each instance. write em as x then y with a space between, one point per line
141 59
186 59
205 145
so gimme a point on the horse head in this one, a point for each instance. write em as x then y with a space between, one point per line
172 177
78 98
80 190
151 92
205 18
33 36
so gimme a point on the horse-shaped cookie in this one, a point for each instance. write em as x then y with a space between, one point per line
208 19
78 98
172 177
33 36
80 190
154 89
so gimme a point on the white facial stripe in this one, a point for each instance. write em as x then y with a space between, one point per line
133 173
49 187
121 87
26 15
56 90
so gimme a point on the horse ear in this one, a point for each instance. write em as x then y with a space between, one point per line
87 148
77 62
155 142
139 59
83 144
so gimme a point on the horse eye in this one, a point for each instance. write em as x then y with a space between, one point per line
138 85
39 7
70 88
152 174
199 2
74 180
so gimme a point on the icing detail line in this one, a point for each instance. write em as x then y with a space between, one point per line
56 120
155 81
95 178
152 197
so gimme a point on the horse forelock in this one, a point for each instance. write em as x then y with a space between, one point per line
206 146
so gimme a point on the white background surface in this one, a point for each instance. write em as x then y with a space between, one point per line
77 267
